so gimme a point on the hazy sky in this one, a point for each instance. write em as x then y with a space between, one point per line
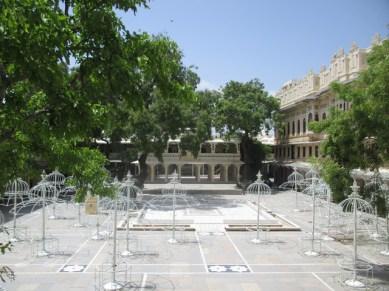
273 40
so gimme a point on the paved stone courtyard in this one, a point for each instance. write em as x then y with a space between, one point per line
208 258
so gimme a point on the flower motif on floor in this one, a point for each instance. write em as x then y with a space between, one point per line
239 269
73 268
217 268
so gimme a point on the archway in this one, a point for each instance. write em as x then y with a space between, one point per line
232 173
219 173
149 169
170 170
159 172
188 172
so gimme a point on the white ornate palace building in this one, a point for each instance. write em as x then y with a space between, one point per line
310 98
217 161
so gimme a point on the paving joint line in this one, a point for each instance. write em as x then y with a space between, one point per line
239 253
322 281
201 252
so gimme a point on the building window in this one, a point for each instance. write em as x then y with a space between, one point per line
298 152
283 152
288 128
303 152
304 126
310 151
316 117
293 129
340 106
288 152
298 126
316 151
324 116
310 117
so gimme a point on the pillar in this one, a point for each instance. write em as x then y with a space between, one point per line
152 173
166 172
197 174
210 172
225 173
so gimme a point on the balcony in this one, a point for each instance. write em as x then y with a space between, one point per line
202 158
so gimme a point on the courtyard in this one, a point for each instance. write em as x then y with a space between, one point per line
214 250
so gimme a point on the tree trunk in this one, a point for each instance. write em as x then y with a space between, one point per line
251 154
142 169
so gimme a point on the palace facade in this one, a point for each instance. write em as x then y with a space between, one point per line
308 99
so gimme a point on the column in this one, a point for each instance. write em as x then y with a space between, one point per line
210 172
166 172
152 173
197 174
179 171
225 173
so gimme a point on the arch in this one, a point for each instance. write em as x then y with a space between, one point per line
188 172
204 171
171 168
232 173
298 126
148 169
219 173
316 151
160 172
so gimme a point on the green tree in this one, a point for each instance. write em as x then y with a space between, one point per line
50 110
244 110
359 137
199 119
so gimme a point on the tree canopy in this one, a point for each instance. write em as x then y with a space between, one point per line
68 72
245 110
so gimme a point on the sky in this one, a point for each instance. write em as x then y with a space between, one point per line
272 40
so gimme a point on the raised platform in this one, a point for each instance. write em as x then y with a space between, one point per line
217 188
